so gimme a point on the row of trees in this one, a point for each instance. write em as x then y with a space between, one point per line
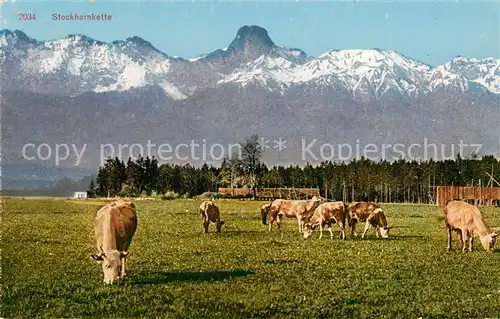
399 181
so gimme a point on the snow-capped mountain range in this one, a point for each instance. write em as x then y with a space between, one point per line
78 64
78 90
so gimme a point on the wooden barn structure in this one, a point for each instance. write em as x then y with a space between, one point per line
272 193
472 195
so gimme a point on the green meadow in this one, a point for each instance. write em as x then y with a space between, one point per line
176 271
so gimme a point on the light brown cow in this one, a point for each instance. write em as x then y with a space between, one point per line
115 225
372 214
210 213
300 209
467 221
325 215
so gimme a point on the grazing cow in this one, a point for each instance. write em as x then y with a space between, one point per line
467 221
327 214
300 209
210 213
372 214
264 210
115 225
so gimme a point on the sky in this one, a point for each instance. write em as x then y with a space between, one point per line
431 32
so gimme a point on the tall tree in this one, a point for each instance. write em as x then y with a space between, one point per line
251 154
92 189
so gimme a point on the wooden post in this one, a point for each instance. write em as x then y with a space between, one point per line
326 190
344 194
480 192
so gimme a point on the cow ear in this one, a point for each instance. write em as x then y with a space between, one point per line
495 234
124 254
98 257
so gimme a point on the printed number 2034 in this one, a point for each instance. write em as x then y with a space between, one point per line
27 16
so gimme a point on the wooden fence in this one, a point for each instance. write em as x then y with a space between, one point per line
270 193
473 195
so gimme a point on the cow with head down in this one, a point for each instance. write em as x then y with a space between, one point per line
373 216
114 225
327 214
210 213
466 220
300 209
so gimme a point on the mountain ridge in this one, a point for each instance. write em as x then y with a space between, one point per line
252 57
6 31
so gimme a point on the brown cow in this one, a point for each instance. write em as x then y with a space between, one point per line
326 214
467 221
300 209
210 213
372 214
115 225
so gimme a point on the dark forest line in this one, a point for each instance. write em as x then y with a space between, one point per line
358 180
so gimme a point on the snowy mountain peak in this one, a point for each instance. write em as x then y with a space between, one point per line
16 37
138 48
249 44
251 35
83 39
139 42
14 34
374 57
460 71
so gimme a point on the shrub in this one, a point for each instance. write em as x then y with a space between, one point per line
170 195
209 195
240 196
128 191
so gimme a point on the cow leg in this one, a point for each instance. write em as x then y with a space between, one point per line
300 224
342 232
330 230
205 225
123 270
471 243
353 228
449 238
271 221
460 240
367 226
465 237
320 230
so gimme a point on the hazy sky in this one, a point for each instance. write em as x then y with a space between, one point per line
432 32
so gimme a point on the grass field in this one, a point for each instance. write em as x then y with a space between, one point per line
175 271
